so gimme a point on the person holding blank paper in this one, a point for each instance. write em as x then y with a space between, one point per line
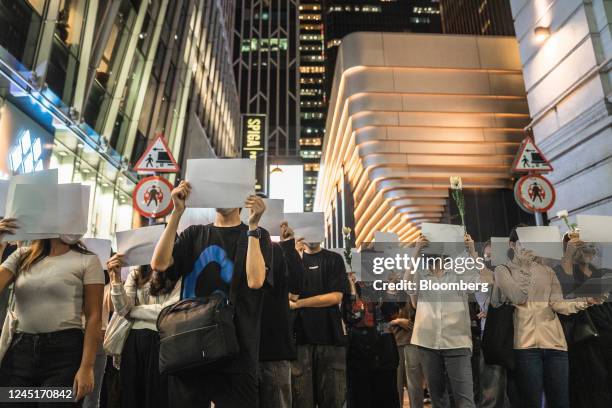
144 294
57 281
588 332
277 346
540 347
442 329
319 373
228 257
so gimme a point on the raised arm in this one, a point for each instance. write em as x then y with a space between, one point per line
255 262
508 286
295 268
123 296
162 256
561 305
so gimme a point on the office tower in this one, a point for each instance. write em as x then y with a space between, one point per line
477 17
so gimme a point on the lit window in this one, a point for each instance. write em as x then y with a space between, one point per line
311 167
310 141
312 70
310 154
26 157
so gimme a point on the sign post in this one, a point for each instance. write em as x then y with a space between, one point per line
255 146
157 158
152 197
533 192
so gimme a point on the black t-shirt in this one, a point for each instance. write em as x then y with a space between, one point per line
277 342
324 272
208 259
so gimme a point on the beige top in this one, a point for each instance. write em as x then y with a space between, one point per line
138 303
49 297
535 291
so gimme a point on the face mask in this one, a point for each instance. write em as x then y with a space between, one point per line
70 239
225 211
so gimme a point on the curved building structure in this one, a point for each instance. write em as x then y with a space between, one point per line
407 111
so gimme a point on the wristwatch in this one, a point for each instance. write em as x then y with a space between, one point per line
256 233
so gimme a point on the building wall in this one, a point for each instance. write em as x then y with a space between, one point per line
265 60
313 101
104 77
477 17
407 111
567 77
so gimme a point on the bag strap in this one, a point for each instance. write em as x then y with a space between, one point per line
507 302
241 251
11 299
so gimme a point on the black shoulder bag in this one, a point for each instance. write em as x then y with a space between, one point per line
200 332
498 336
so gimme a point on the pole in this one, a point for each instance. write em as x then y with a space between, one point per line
539 219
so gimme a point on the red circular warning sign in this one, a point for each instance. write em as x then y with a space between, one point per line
534 193
152 197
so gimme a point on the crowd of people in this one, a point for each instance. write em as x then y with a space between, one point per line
303 331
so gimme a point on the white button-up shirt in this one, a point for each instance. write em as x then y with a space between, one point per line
442 317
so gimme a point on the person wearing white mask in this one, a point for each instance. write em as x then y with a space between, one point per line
57 281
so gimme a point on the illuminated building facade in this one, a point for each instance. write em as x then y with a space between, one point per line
402 121
266 67
91 82
313 101
477 17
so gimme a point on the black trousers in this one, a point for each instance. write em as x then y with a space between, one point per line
193 389
42 360
372 388
142 386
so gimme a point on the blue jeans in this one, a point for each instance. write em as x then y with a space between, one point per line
543 370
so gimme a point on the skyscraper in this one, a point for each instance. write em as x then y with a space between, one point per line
345 17
312 94
266 70
477 17
323 24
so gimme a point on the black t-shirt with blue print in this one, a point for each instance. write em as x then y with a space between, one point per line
208 260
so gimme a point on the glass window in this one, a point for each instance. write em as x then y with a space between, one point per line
19 30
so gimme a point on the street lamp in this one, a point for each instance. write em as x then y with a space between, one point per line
541 33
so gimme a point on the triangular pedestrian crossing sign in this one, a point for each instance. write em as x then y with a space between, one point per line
530 159
157 158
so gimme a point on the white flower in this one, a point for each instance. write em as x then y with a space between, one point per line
346 231
456 183
562 214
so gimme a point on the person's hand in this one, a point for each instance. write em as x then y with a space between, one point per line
421 242
257 207
83 382
8 226
286 232
180 195
469 245
573 245
293 305
594 301
113 266
299 246
481 315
